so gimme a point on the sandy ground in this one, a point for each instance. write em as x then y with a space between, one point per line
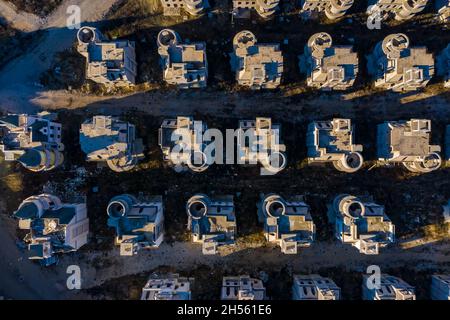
19 80
186 256
19 92
21 279
221 104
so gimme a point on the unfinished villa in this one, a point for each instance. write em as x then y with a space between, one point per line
443 66
259 142
167 287
314 287
257 66
184 64
176 7
397 66
362 223
139 223
408 143
400 10
333 9
182 145
328 67
242 288
265 8
443 10
440 287
287 222
211 221
112 63
391 288
333 142
108 139
33 141
54 227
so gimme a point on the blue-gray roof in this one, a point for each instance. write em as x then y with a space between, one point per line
31 158
64 214
12 119
27 211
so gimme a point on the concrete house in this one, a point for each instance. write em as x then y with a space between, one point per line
314 287
167 287
265 8
400 10
54 227
397 66
391 288
211 221
242 288
362 223
331 8
257 66
327 66
108 139
333 142
175 7
259 142
443 65
184 64
443 10
139 223
408 143
32 140
112 63
287 222
440 287
174 138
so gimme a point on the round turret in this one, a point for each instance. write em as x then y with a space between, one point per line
120 206
274 206
87 35
318 43
197 207
198 161
167 38
394 44
349 206
430 163
350 162
244 39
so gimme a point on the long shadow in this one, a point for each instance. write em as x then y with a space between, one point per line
218 32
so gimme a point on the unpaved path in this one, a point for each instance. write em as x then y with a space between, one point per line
224 104
186 256
19 20
21 279
19 80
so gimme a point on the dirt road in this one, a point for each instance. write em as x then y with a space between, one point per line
21 279
19 80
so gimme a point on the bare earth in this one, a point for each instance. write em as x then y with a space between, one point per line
20 92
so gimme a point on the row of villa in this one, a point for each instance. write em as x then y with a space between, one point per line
394 63
400 10
304 287
57 227
36 143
